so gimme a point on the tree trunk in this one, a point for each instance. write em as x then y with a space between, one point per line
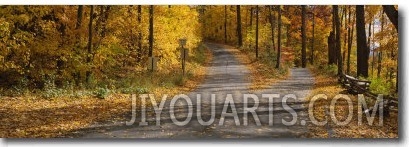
257 31
303 35
279 38
373 50
225 23
89 46
312 39
272 26
369 35
102 21
79 17
150 31
345 35
78 25
338 39
380 51
392 14
239 35
350 34
139 51
251 17
331 48
362 48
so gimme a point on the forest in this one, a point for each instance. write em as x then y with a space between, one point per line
82 52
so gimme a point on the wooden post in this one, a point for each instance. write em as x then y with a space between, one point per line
183 54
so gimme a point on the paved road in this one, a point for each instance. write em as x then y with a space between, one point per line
226 76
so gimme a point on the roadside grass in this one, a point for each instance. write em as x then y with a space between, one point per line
263 73
326 83
36 114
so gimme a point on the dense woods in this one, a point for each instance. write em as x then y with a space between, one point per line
65 67
91 46
343 39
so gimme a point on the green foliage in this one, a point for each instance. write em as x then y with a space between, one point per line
199 55
331 69
180 80
381 86
50 90
81 93
135 90
21 87
102 93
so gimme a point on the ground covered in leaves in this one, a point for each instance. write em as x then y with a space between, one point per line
32 116
262 70
326 83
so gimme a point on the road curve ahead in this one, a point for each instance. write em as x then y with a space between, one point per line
228 80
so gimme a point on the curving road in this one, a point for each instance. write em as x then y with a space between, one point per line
226 75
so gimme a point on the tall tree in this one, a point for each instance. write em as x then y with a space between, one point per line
89 46
303 37
313 37
350 36
379 68
279 38
102 24
392 14
78 25
338 38
345 34
225 23
139 51
257 31
369 35
272 24
331 48
80 11
362 48
150 30
287 10
373 50
251 16
239 35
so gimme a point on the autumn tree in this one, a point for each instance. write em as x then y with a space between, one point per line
313 36
279 38
272 24
225 23
379 67
239 34
303 36
139 52
392 14
350 36
257 22
150 31
362 48
89 46
338 39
